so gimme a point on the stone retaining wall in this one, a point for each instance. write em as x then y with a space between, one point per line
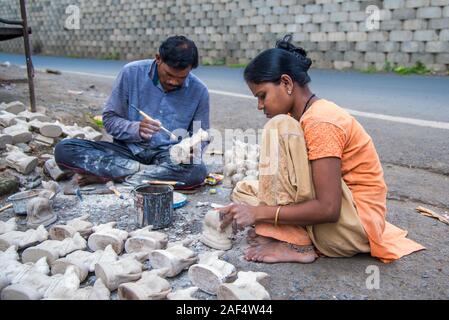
334 32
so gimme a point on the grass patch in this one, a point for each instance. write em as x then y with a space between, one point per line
211 62
237 65
418 68
370 69
95 120
112 56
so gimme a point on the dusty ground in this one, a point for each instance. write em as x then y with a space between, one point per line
423 275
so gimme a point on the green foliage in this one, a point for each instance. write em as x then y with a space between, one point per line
237 65
418 68
112 56
370 69
213 62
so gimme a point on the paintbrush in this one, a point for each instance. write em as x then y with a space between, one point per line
172 136
173 183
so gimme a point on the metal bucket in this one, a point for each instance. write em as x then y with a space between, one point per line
20 200
154 205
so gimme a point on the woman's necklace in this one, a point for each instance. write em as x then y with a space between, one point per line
307 105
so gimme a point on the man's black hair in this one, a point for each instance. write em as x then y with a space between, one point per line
179 52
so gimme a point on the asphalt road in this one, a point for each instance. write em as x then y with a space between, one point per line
420 98
415 158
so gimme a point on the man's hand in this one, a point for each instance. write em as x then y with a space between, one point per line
240 215
148 128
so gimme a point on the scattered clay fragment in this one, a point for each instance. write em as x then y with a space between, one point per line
47 129
14 107
73 131
54 171
7 119
19 133
92 134
30 116
19 161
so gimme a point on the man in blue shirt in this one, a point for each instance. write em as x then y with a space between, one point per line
166 90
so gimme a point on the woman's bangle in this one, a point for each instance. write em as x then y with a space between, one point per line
276 217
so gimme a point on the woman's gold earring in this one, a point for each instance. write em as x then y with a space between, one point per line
289 92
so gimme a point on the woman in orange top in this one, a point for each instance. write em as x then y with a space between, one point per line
327 192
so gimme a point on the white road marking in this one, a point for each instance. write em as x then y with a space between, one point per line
378 116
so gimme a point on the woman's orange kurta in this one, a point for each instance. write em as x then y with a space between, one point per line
330 131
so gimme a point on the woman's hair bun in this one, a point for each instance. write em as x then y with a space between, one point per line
300 53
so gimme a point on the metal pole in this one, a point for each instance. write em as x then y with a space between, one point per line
30 68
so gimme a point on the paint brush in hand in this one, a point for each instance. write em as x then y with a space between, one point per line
143 114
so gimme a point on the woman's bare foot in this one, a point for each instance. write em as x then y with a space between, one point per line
84 179
277 251
254 239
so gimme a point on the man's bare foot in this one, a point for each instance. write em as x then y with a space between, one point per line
277 251
254 239
84 179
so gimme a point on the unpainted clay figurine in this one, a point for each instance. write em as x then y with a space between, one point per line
10 267
40 211
121 271
36 286
80 224
84 261
211 272
69 289
106 234
246 287
151 286
175 258
23 239
144 240
212 235
54 249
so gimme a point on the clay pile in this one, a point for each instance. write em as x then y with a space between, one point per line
22 130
